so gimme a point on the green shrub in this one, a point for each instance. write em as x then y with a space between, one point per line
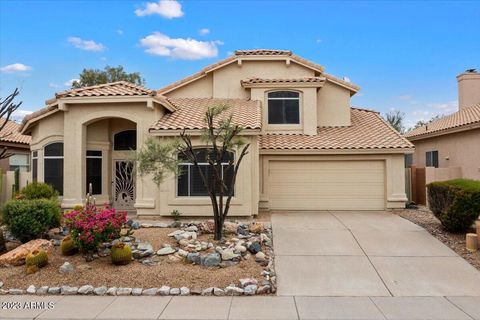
38 190
456 203
29 219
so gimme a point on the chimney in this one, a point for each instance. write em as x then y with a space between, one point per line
468 88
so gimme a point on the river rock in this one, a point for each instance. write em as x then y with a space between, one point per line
184 291
144 246
194 257
211 260
248 281
124 291
165 251
233 291
100 291
174 291
87 289
54 290
112 291
31 289
42 290
149 292
65 268
17 256
256 227
250 290
69 291
164 291
255 247
137 291
16 291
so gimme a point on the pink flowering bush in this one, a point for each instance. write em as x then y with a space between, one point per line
93 225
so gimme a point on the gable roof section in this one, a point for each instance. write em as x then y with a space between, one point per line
261 54
10 133
118 88
458 120
368 131
190 113
112 89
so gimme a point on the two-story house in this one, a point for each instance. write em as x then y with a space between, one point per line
310 150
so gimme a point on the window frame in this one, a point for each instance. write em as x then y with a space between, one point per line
299 99
432 159
189 165
21 167
34 166
87 156
62 157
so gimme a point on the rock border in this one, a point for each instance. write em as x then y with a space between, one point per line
248 286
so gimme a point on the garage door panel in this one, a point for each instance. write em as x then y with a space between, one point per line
326 185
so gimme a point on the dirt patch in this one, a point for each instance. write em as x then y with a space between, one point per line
101 272
455 241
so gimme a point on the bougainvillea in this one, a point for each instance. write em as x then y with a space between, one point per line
93 225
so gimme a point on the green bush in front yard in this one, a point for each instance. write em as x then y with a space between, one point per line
38 190
30 219
456 203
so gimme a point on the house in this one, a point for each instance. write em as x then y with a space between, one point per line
16 147
310 150
452 143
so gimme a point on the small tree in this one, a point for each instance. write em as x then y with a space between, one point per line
92 77
421 123
220 136
395 118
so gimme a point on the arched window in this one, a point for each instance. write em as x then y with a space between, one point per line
283 107
53 165
125 140
189 181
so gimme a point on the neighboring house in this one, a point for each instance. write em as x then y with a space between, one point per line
17 146
453 142
309 149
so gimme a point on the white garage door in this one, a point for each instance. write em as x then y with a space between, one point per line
327 185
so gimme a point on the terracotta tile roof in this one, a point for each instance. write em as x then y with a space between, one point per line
190 113
10 133
255 80
119 88
368 131
463 117
261 52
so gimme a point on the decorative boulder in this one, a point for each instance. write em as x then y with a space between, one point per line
17 256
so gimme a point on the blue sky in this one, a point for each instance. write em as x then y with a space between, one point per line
404 55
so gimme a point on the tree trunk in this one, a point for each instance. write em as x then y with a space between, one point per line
218 229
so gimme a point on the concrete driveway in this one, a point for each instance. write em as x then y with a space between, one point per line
359 253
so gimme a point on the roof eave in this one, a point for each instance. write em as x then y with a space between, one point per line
400 150
432 134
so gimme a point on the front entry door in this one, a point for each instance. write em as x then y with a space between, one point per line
123 185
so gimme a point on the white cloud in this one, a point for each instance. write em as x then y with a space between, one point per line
70 82
445 107
87 45
120 32
16 67
203 31
179 48
54 85
166 8
431 110
19 114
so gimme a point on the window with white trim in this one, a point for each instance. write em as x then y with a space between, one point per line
94 171
189 180
19 161
283 107
35 166
53 165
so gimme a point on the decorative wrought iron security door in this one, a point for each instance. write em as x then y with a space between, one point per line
124 185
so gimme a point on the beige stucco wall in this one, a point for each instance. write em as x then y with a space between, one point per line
326 106
461 148
244 203
468 89
333 106
394 183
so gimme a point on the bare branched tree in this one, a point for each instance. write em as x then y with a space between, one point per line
7 108
221 138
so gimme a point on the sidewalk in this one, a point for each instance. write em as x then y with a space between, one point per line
267 307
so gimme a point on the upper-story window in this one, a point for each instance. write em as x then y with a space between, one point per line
283 107
431 159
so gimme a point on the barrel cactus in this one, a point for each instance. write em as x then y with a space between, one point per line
121 254
36 258
68 247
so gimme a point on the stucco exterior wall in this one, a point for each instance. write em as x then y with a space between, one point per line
462 150
333 106
201 88
244 203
